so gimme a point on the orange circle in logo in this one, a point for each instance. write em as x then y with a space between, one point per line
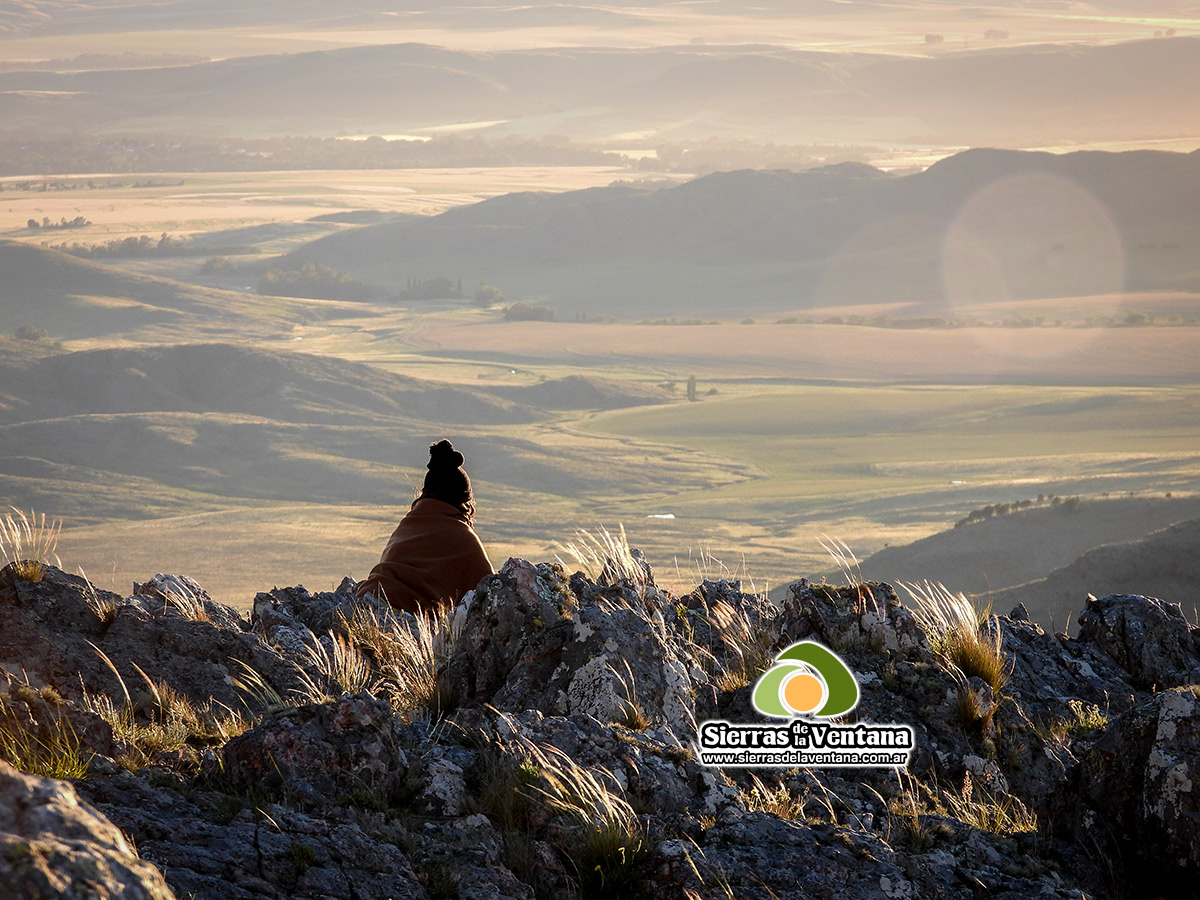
803 692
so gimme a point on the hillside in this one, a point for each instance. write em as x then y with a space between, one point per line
289 460
72 298
236 380
580 734
586 392
984 94
1162 564
981 225
990 558
187 427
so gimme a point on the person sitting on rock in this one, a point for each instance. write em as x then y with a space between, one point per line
434 555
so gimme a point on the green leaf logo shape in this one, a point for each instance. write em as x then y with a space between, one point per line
807 656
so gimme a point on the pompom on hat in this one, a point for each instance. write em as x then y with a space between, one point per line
446 480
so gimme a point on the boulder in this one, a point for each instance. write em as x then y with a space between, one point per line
54 845
321 754
1149 639
1140 786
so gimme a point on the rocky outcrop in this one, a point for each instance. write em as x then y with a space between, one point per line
1149 639
54 845
559 759
65 633
1139 782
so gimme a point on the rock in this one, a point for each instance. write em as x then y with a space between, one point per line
296 610
213 845
186 596
531 640
55 631
1142 796
1050 672
567 736
512 635
323 754
54 845
1148 638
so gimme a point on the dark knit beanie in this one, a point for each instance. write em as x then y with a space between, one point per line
446 480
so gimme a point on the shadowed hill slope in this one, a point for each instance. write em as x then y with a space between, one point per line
988 557
75 298
114 432
236 380
225 420
1164 564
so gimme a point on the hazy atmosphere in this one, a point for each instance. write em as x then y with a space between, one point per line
918 277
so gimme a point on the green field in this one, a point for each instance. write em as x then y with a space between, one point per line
879 466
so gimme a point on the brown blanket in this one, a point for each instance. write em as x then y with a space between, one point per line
432 557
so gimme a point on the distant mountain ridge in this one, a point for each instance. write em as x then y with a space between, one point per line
1017 96
1051 225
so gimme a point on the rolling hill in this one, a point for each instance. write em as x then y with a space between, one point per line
1041 95
981 225
238 381
1162 564
225 421
72 298
1051 557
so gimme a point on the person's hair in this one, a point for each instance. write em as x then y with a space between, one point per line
446 480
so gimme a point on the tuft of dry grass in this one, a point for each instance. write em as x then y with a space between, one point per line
778 800
160 719
604 557
965 638
632 715
409 660
387 658
614 854
186 604
337 667
1001 815
747 646
56 753
1004 814
28 542
704 566
105 608
608 846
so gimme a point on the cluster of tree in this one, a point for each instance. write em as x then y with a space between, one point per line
432 289
219 265
69 154
130 247
46 185
64 222
313 282
29 333
529 312
1003 509
142 246
487 295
